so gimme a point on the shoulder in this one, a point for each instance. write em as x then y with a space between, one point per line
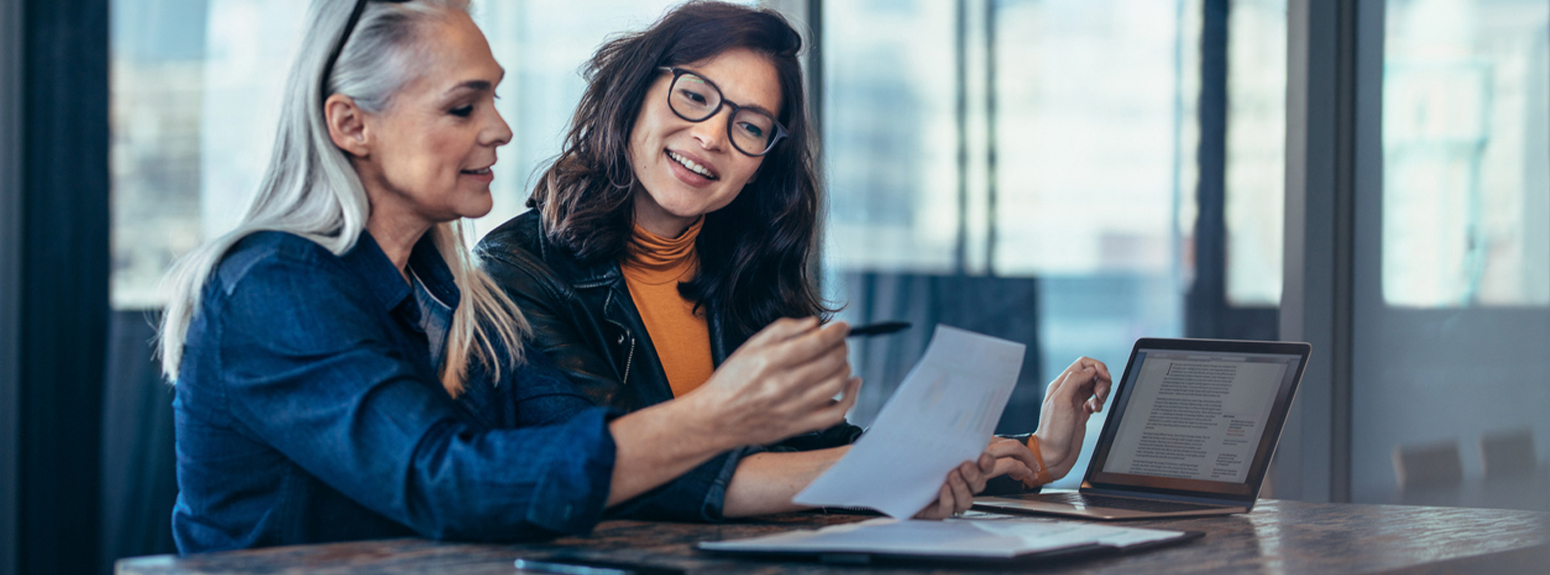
270 274
279 295
523 232
269 252
514 256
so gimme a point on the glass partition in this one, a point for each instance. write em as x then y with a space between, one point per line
1466 201
1020 168
1256 151
1452 265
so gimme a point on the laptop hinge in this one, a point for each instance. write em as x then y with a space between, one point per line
1166 497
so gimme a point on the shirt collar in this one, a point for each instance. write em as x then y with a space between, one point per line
433 272
385 281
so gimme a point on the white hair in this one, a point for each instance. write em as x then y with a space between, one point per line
311 190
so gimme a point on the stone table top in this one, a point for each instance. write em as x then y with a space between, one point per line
1277 537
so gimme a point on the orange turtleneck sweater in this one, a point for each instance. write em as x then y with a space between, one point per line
653 269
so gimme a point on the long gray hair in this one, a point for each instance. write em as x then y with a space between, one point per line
311 190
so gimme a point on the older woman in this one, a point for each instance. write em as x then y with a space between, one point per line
680 218
345 370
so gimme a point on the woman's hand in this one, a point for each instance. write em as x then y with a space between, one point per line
1003 457
957 493
781 383
1074 396
1013 459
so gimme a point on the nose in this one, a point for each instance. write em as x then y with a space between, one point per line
712 132
496 132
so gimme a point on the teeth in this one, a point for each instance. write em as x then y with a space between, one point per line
693 167
480 171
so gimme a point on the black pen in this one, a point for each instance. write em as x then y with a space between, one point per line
879 328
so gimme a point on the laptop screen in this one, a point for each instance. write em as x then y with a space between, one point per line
1197 420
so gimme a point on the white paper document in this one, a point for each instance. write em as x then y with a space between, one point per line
942 415
1003 538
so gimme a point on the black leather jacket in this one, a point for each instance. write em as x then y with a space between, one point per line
583 317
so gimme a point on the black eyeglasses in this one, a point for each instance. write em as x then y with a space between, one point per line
752 131
349 27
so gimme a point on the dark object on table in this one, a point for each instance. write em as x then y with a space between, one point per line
568 565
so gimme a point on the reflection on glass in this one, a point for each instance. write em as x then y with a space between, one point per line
1256 151
1466 184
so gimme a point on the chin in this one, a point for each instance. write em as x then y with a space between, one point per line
476 211
687 210
477 207
686 202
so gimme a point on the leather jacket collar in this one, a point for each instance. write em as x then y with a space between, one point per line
593 299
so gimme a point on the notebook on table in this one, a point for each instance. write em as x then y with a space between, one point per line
992 541
1191 430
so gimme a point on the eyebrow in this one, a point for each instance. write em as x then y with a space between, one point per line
724 95
475 85
771 113
472 86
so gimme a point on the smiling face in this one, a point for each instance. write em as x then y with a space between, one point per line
427 157
689 169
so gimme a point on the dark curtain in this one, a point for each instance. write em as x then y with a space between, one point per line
64 283
139 482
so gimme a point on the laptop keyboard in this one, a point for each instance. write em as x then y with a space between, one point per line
1125 503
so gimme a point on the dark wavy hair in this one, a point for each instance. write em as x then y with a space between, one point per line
755 253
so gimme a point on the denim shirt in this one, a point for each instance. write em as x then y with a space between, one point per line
308 409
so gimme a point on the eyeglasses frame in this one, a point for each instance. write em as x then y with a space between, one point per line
780 129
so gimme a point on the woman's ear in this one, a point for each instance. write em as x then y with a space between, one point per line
346 125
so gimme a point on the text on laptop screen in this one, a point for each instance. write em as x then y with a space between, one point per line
1197 415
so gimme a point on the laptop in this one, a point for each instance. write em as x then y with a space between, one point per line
1190 432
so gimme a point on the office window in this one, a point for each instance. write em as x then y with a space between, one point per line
1024 168
196 90
1093 161
1256 151
1466 186
157 90
1087 121
890 143
1451 261
1031 168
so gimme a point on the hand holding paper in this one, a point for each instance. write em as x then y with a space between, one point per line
942 415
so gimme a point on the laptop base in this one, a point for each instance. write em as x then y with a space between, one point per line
1041 505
